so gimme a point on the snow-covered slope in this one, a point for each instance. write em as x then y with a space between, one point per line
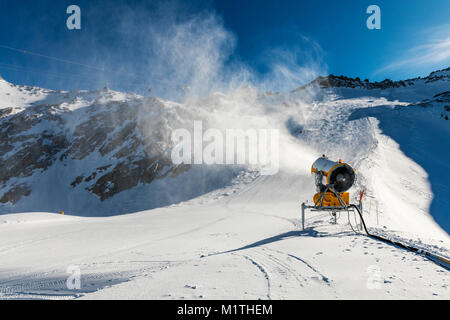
93 153
241 237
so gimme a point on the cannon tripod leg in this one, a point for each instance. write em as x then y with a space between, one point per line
303 216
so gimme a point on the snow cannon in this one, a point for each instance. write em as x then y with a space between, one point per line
338 176
333 179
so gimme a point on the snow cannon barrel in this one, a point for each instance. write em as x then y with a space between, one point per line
341 176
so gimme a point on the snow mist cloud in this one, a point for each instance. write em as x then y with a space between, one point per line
190 59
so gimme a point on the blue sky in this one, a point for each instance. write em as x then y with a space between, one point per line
134 45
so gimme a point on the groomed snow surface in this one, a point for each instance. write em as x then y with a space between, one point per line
245 241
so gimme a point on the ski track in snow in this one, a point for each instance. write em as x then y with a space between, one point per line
263 271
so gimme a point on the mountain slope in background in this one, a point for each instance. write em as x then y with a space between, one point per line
77 151
104 153
73 151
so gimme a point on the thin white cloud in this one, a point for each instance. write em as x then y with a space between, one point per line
435 51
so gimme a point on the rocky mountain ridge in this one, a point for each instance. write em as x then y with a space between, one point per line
333 81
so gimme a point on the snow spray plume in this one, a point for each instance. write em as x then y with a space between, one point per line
193 55
186 57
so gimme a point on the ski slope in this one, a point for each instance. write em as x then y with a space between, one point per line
244 240
245 243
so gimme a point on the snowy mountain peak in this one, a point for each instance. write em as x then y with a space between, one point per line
332 81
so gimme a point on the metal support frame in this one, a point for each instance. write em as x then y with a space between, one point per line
335 209
318 206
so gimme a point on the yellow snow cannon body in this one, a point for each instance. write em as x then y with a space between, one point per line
330 199
339 177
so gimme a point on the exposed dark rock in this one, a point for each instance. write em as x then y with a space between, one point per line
332 81
5 112
77 181
118 138
33 139
31 155
103 168
92 176
127 175
14 194
346 82
446 93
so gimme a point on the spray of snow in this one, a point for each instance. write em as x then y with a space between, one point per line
194 57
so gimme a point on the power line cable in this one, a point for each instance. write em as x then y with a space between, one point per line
134 74
49 57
